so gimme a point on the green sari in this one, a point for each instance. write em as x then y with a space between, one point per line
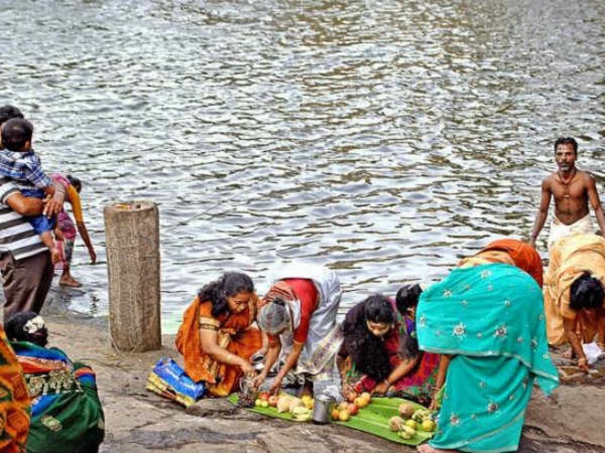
67 416
490 319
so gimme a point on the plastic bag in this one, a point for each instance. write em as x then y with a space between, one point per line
170 380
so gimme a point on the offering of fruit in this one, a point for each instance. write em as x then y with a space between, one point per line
264 403
273 400
406 432
258 402
335 414
344 415
411 423
264 396
294 403
283 403
428 425
301 414
360 402
353 409
351 396
420 414
307 401
406 410
343 405
366 396
395 423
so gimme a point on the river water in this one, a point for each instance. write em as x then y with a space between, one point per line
383 139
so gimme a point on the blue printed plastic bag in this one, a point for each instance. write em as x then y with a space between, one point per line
171 372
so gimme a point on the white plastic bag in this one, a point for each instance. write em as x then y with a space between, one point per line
592 352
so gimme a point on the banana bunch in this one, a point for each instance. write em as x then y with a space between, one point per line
406 432
421 414
301 413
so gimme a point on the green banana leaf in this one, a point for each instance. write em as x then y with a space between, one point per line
372 419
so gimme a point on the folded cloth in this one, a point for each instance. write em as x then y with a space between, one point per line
159 386
593 352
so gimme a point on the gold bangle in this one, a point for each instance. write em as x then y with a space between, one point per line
582 359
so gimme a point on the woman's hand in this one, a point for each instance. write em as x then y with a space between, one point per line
348 392
247 367
258 381
276 385
93 255
583 364
381 388
434 398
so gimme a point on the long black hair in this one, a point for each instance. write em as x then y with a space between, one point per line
227 286
407 298
586 292
365 349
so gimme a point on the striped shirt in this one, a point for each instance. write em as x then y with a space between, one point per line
16 234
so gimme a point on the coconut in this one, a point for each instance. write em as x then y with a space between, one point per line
395 423
294 403
283 403
406 410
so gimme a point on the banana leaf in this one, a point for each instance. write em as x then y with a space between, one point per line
372 419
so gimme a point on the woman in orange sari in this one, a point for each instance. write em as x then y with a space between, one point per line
509 251
216 338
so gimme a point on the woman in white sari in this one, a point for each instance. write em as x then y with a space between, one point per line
298 314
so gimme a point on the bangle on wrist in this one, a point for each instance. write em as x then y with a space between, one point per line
386 381
582 359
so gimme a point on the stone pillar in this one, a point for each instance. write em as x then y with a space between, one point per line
133 266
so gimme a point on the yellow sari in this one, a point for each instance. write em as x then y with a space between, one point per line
570 257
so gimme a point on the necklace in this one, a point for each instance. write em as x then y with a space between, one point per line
566 183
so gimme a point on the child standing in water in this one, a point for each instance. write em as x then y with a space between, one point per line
19 162
68 229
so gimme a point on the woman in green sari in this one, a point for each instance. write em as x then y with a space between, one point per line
489 322
66 416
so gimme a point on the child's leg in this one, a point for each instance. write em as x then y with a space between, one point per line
66 278
44 226
68 229
48 241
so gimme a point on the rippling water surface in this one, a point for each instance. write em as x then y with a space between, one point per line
383 139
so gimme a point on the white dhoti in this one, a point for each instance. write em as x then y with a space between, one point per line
559 230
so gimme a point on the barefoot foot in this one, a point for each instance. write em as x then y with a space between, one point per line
69 281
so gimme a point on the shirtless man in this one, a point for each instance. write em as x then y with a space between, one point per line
572 189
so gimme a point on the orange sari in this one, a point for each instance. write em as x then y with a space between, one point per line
234 333
522 255
14 401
